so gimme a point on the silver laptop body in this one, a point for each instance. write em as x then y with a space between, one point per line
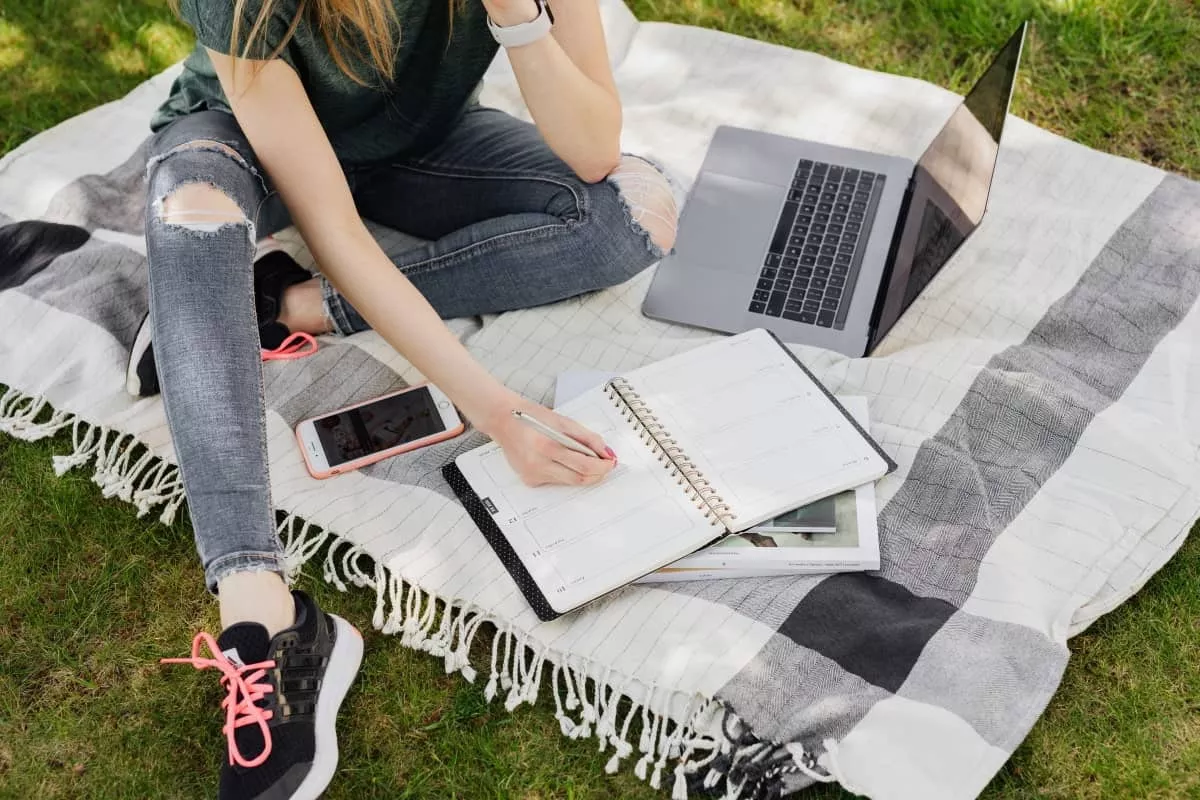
831 255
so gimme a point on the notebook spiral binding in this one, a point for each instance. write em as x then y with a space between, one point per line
670 455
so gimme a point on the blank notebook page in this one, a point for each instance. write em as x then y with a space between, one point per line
764 434
579 543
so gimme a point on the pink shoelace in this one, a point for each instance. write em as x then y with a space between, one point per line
298 345
245 685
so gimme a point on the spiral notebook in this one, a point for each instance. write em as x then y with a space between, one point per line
710 442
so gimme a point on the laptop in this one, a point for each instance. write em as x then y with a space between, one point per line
824 245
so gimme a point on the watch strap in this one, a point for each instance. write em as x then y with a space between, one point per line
526 32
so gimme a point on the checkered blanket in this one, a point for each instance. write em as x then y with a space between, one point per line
1041 398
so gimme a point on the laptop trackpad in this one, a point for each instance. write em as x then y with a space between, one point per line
728 222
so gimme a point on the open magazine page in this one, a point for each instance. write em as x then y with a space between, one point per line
816 517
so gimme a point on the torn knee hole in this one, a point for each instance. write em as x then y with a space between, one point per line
649 198
200 206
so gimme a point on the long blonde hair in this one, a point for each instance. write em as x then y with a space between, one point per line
372 23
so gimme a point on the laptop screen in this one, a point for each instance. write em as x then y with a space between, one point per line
950 186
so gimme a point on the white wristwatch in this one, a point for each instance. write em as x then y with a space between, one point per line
526 32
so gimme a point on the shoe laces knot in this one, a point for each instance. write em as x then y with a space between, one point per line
246 685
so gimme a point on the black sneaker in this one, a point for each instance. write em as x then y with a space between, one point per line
273 274
283 701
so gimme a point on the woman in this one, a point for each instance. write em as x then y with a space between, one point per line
314 112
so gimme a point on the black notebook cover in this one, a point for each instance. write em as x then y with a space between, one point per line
495 537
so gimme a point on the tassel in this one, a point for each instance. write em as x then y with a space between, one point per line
438 644
19 412
520 683
329 569
167 517
534 687
505 678
158 485
622 750
679 790
589 707
572 702
85 440
565 725
405 615
564 722
395 620
377 619
466 638
351 569
609 698
489 691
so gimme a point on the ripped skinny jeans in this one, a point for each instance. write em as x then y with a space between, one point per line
507 224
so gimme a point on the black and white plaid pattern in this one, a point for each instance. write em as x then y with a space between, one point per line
1040 397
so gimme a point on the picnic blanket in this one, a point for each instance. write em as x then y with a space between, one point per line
1042 398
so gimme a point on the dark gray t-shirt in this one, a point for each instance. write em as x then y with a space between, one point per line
438 70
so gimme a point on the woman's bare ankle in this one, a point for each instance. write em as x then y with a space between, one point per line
260 596
303 308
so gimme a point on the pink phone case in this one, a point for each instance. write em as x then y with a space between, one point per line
450 433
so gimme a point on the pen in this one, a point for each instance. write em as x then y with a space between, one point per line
546 430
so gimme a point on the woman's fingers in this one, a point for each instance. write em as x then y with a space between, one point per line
540 460
554 474
591 469
589 439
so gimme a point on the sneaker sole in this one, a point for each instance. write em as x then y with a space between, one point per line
133 384
343 667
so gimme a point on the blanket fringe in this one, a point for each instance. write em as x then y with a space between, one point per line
708 752
19 414
145 482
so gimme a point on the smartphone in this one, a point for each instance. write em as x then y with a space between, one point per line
364 433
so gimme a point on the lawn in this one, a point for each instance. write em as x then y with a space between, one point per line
91 597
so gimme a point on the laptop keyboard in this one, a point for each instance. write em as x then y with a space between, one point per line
815 255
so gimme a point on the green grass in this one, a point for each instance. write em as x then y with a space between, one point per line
91 597
61 57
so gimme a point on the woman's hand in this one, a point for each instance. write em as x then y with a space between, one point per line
567 83
538 459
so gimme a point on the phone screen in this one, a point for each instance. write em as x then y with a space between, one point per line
380 425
